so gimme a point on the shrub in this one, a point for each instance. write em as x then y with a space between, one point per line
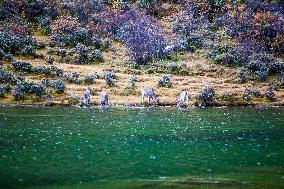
29 50
249 93
9 9
228 96
270 94
34 8
3 90
42 70
57 71
59 86
61 52
49 59
79 36
110 78
266 27
262 75
19 27
46 82
13 43
144 39
2 54
45 24
82 57
165 81
107 43
65 25
278 44
9 57
243 74
66 30
195 41
22 66
90 79
280 79
7 77
105 23
255 65
133 81
19 92
97 42
38 90
26 87
97 56
72 78
40 45
207 95
227 55
276 67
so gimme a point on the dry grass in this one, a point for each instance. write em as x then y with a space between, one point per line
203 73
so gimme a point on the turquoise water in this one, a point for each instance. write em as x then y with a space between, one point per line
57 147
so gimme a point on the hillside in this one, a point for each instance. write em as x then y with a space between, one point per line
52 54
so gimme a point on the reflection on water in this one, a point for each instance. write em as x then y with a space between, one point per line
69 146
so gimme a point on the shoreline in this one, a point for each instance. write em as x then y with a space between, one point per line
190 106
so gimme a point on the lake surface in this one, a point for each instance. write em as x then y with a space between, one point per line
58 147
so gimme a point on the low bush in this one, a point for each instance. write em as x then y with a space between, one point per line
262 75
23 66
270 94
58 71
65 25
46 82
249 93
66 30
195 41
90 78
29 50
49 59
165 81
107 43
110 78
227 55
72 77
133 81
7 77
19 92
97 56
59 86
3 90
243 74
228 96
37 90
207 95
27 88
280 79
45 24
9 9
97 42
61 52
255 65
42 70
2 54
12 43
9 57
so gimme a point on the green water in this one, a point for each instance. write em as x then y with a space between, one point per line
56 147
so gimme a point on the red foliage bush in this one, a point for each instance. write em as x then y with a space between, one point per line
65 25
